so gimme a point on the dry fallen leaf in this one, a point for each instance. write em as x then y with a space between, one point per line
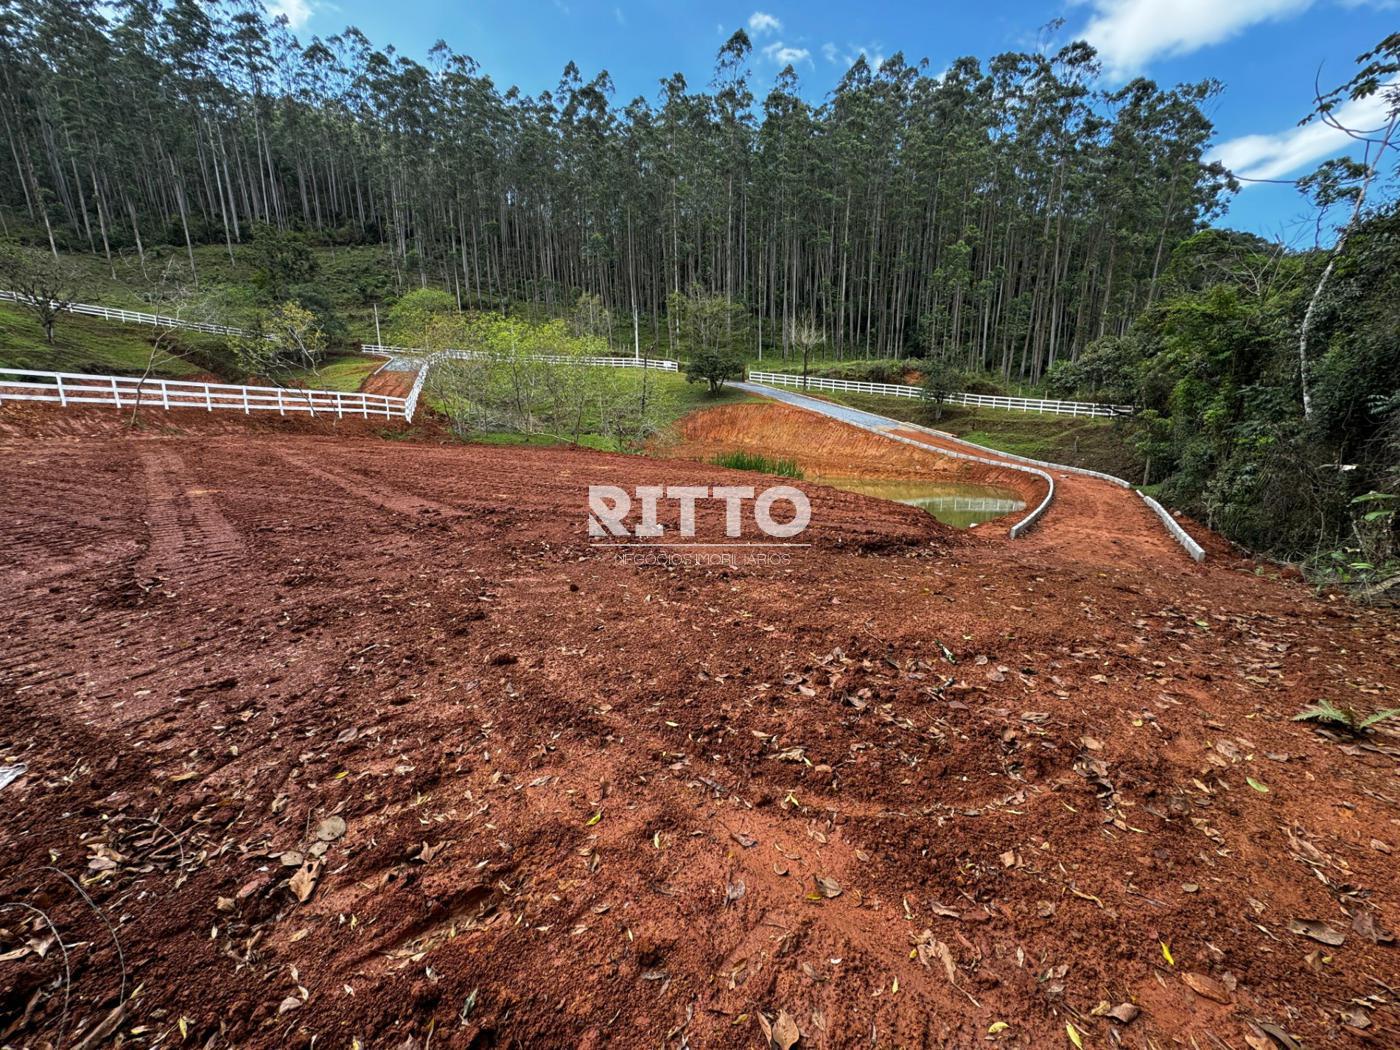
782 1033
303 883
330 829
1357 1017
828 887
1124 1013
1317 930
1367 925
927 947
1266 1036
1207 986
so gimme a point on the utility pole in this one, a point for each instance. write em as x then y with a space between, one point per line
636 337
377 340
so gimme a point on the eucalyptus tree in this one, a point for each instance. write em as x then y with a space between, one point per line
1003 214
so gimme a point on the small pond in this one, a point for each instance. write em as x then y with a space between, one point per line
955 503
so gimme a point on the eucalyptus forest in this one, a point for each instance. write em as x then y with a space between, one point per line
1009 211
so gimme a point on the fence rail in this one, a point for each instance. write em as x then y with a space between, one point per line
411 402
414 352
132 316
72 388
1013 404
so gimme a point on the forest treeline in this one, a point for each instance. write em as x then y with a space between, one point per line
1004 214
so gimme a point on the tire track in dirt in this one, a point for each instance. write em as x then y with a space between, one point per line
58 542
394 500
467 695
189 541
52 531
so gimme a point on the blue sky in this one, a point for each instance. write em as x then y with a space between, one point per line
1268 53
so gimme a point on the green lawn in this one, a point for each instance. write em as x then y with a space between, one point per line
351 277
1096 444
674 398
685 398
344 373
88 344
91 345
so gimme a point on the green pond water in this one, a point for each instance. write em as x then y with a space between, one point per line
959 504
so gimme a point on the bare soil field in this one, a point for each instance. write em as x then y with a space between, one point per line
341 742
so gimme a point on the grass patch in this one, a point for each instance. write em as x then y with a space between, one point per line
344 373
91 345
784 468
670 398
598 442
1077 441
684 398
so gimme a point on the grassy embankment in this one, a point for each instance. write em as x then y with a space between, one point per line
672 397
783 468
89 344
1097 444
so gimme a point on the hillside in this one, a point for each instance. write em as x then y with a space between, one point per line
363 740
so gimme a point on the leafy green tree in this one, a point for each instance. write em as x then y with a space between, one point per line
705 326
715 366
940 381
281 261
286 340
411 318
45 284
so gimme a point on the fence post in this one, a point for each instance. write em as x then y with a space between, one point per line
339 406
116 392
280 410
165 394
62 397
208 399
246 409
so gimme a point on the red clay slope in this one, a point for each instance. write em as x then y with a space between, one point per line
903 788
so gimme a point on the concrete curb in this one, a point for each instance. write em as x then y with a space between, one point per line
1197 552
1194 549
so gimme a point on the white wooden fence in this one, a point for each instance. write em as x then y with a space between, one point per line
132 316
71 388
418 353
411 402
1013 404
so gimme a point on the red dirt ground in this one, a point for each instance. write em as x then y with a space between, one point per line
903 787
393 384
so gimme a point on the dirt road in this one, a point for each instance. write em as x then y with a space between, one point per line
361 742
1086 513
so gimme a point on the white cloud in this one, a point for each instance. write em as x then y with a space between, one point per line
298 12
621 18
1130 33
761 23
874 55
1288 152
784 55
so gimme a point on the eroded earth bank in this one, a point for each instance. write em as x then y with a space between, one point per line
342 742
